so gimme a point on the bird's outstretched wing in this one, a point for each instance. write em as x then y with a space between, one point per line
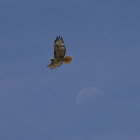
59 47
59 53
55 64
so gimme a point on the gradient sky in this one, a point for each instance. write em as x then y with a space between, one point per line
96 96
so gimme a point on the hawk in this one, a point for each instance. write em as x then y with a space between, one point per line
59 54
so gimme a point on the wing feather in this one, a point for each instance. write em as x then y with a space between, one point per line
59 47
55 64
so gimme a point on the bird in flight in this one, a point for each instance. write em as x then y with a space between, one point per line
59 54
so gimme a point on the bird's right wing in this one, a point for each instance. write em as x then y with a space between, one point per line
55 65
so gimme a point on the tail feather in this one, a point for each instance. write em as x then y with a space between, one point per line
67 59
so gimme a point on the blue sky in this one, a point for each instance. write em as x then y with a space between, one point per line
37 103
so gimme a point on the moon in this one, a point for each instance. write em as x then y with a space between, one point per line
88 95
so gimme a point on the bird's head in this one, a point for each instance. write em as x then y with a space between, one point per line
52 59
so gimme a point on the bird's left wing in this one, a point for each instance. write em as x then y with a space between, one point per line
59 47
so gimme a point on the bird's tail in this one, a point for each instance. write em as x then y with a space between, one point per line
67 59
